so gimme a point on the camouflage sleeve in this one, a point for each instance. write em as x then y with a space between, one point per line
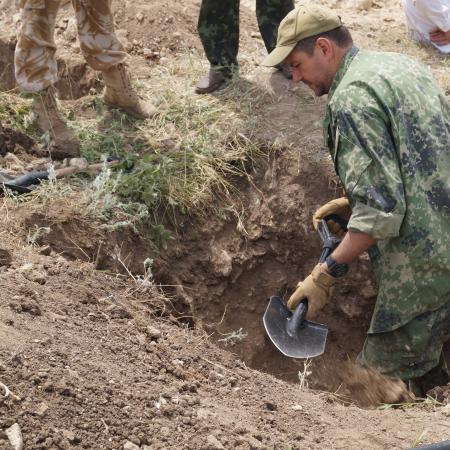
367 163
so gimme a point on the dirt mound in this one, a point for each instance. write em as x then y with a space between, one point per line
225 285
153 29
97 361
13 141
369 388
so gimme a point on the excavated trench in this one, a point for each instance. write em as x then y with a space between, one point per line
227 273
220 275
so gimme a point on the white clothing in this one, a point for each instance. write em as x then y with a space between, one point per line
425 16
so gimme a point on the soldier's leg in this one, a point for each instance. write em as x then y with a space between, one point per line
218 28
413 352
36 71
34 57
104 52
269 14
98 42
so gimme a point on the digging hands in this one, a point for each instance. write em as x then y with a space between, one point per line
440 37
319 285
339 206
317 288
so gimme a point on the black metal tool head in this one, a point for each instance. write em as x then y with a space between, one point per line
290 333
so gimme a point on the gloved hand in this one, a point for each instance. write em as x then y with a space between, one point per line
317 288
339 206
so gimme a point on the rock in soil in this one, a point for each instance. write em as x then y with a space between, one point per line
5 257
15 436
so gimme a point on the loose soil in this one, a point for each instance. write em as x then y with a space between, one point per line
101 359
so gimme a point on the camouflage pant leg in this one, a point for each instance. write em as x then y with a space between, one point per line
269 14
34 57
98 42
411 351
218 28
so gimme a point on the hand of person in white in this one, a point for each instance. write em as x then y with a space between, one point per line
429 21
440 37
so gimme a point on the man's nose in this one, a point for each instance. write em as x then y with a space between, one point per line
296 77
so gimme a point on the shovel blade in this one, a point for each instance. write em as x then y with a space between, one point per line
307 341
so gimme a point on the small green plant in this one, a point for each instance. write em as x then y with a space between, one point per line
148 181
160 236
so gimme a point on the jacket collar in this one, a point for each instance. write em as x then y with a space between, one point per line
330 137
343 66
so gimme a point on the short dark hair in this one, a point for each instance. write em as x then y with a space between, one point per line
340 36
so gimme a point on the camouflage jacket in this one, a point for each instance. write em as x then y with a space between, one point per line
387 126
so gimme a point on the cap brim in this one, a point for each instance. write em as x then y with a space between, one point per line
277 55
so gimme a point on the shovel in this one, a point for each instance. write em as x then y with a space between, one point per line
291 334
23 184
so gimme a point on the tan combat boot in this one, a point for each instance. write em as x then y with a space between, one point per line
63 142
119 93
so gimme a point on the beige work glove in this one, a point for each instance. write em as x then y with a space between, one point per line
317 288
339 206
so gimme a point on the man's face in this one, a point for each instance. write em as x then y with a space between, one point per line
315 71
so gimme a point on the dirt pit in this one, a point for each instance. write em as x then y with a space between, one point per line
224 277
221 275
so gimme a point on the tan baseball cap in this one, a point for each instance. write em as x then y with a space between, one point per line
306 20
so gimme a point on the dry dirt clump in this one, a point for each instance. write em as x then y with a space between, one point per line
13 141
369 388
441 394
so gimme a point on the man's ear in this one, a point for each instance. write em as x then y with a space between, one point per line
325 46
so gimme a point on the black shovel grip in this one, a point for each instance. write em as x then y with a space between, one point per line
329 243
295 321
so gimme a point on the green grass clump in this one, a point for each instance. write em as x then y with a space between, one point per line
184 160
16 113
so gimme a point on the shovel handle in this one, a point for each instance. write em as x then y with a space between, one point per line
329 243
295 321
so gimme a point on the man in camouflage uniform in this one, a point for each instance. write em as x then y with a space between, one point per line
218 28
387 126
36 70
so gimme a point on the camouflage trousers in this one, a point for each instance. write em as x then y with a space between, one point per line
218 27
412 352
34 59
